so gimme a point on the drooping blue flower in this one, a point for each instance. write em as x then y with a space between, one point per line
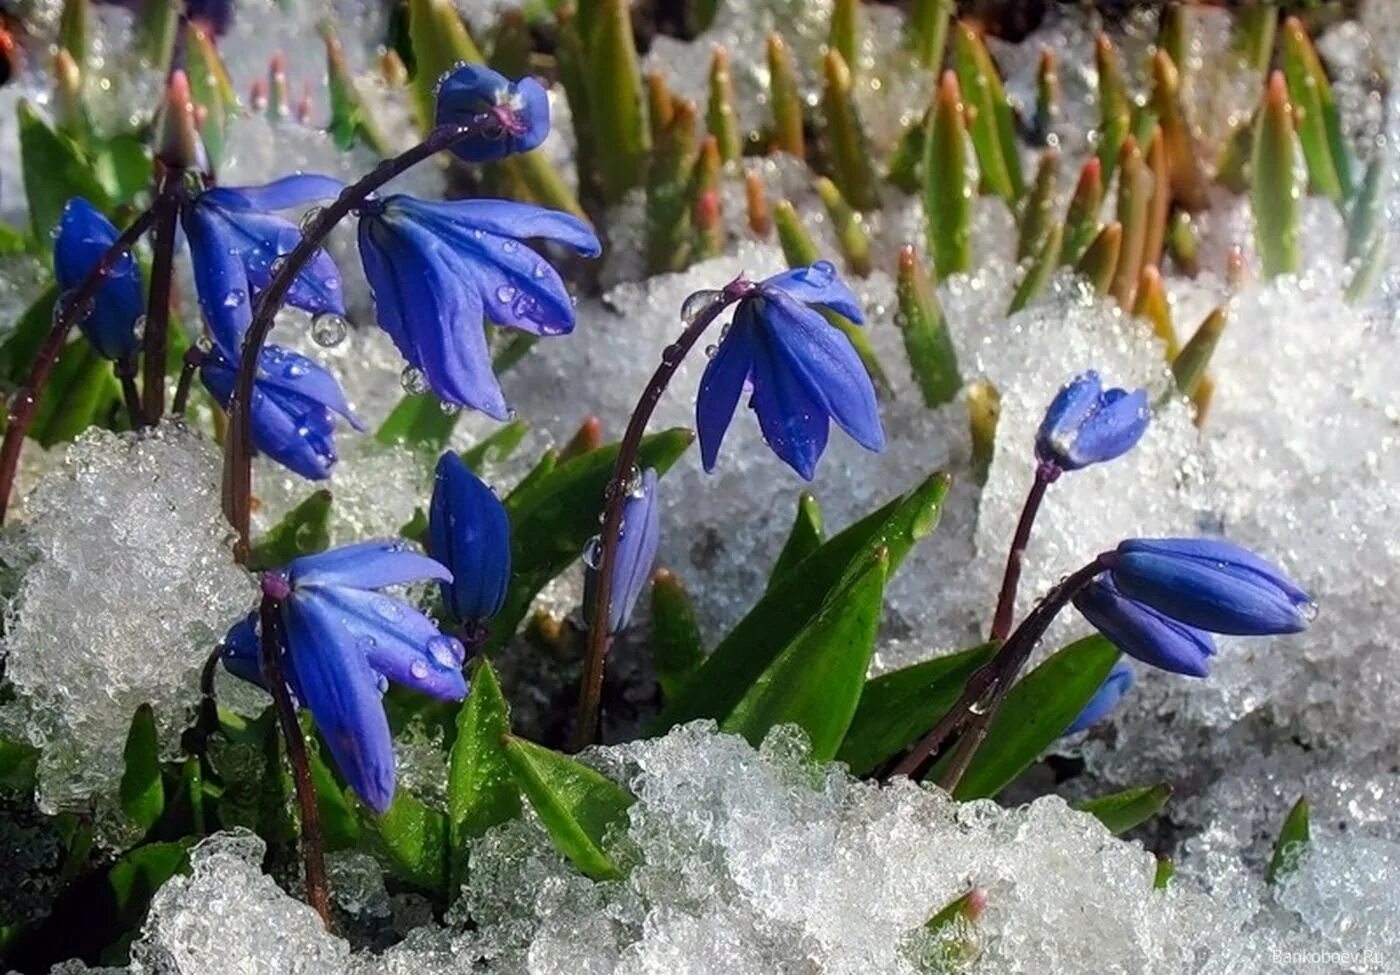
345 641
1210 584
84 235
1142 632
236 239
803 372
635 555
438 271
1118 682
517 112
1087 424
469 532
293 408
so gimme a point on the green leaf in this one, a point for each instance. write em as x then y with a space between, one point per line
1100 259
340 823
553 514
1122 811
141 791
927 341
1363 221
1034 713
816 681
439 40
497 447
948 182
983 415
1189 366
1292 842
411 838
668 230
304 530
1036 220
135 877
481 791
123 166
851 236
1039 271
1082 217
1133 209
1115 112
1163 874
210 88
804 538
851 159
418 420
18 763
615 98
577 805
1275 194
1318 120
351 119
721 118
844 33
785 95
55 170
676 645
752 646
900 706
993 128
905 166
1188 183
926 30
82 391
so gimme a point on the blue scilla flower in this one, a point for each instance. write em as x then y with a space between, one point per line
84 235
293 410
345 641
236 239
802 371
518 111
636 552
1209 584
1144 633
1118 682
438 271
468 532
1087 424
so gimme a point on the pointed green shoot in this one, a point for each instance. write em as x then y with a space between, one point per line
1100 260
721 118
949 186
983 415
1189 366
1292 842
1039 271
993 127
932 357
1318 120
1037 207
926 30
1082 217
844 37
615 99
852 166
804 537
677 647
1115 107
1276 192
785 96
851 235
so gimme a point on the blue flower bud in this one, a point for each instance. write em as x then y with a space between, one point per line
1118 682
1087 424
84 235
1209 584
515 113
468 532
1142 632
636 552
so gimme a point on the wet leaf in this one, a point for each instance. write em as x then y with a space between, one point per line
804 538
1293 840
142 792
481 791
304 530
932 356
1123 811
677 647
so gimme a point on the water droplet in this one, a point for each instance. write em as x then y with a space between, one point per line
413 380
451 409
505 294
633 485
308 220
711 351
388 608
447 652
419 669
540 270
696 304
593 552
672 354
1309 611
329 329
509 246
138 327
820 273
381 682
296 368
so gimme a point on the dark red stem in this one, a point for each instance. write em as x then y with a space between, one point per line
1045 475
156 337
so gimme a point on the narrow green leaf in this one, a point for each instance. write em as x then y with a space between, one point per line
1039 272
1173 32
993 127
748 650
983 415
721 118
1363 220
1037 208
340 824
1122 811
572 61
615 98
302 531
926 30
1047 98
439 40
676 645
1366 271
351 120
577 805
949 183
816 681
905 167
210 89
704 198
481 791
512 45
1035 712
156 25
142 792
852 168
18 763
1100 260
1189 366
411 840
1319 122
73 33
1253 28
1115 107
851 235
1163 874
418 419
900 706
135 877
844 36
55 170
955 945
1293 840
1134 200
1188 183
1275 192
82 391
1151 303
804 538
1082 217
785 96
927 342
1181 244
496 447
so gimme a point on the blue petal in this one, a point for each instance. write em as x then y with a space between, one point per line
504 218
469 532
818 284
342 692
1144 633
1114 428
1118 682
829 364
262 239
636 551
429 304
219 278
400 642
295 374
240 649
281 194
470 90
84 236
1072 405
366 565
1226 555
723 383
1200 594
794 422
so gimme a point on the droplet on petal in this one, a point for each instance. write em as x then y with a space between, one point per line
329 329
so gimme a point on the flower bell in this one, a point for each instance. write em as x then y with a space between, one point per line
803 372
515 113
1087 424
636 552
468 532
84 235
1144 633
1117 684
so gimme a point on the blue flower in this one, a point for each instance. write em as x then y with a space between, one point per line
345 642
1209 584
518 111
294 402
84 235
1142 632
803 372
636 552
1087 424
438 271
468 532
1118 682
235 242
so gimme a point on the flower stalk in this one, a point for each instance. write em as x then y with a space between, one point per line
155 339
1045 475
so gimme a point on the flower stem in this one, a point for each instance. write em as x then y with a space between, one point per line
154 341
69 309
983 693
1045 475
194 357
131 396
599 638
238 475
312 842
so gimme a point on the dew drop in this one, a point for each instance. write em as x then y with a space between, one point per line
821 273
418 669
505 294
696 304
382 682
138 327
540 270
296 368
593 552
711 351
413 381
308 220
389 609
509 246
451 409
329 329
447 652
1309 611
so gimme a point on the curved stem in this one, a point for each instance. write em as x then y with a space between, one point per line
69 309
983 693
238 453
1045 475
194 357
155 339
599 637
131 396
312 842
